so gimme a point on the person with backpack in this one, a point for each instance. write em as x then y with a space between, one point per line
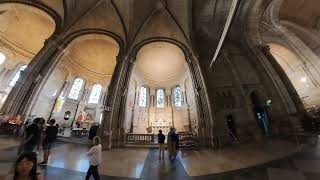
50 136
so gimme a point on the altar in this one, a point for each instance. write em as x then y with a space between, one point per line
160 124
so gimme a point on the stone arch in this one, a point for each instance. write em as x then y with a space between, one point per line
70 54
117 116
75 34
50 66
44 14
277 84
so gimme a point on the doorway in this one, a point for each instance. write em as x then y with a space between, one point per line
260 114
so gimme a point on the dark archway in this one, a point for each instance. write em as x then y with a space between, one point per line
260 113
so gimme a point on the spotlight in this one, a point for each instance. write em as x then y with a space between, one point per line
303 79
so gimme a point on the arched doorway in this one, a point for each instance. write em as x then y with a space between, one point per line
261 113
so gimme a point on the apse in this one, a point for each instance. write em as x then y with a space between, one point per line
79 82
23 31
160 93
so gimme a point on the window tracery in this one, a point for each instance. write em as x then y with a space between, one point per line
76 88
143 97
160 98
95 94
177 96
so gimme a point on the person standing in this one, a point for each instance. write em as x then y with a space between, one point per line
161 139
172 143
32 135
50 135
93 132
95 159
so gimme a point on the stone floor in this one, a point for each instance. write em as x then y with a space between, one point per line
272 160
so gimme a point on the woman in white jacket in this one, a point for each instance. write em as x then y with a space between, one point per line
95 159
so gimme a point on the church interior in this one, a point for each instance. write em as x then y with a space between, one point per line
238 81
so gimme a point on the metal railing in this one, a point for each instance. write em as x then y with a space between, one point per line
140 138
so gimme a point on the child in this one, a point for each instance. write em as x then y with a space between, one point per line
161 139
95 159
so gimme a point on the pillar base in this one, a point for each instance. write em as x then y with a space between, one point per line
206 137
114 138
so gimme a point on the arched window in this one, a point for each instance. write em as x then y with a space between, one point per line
95 94
177 96
2 58
17 75
143 97
160 98
76 88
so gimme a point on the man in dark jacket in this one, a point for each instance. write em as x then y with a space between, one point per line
32 135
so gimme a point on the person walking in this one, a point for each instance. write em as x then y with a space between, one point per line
50 135
32 136
161 139
95 159
92 133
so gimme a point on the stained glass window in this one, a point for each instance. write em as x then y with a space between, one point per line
17 75
160 98
59 103
143 97
75 89
95 94
177 97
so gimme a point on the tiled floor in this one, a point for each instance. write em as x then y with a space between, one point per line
272 160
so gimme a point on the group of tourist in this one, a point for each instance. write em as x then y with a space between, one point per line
172 143
38 134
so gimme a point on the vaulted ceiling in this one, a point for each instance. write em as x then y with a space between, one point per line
197 24
136 20
94 53
24 28
305 13
160 62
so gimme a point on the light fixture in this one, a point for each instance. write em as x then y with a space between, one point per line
303 79
2 58
308 85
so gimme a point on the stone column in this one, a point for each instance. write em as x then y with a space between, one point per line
203 105
111 130
289 87
26 89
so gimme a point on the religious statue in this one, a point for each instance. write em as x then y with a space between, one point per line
81 117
